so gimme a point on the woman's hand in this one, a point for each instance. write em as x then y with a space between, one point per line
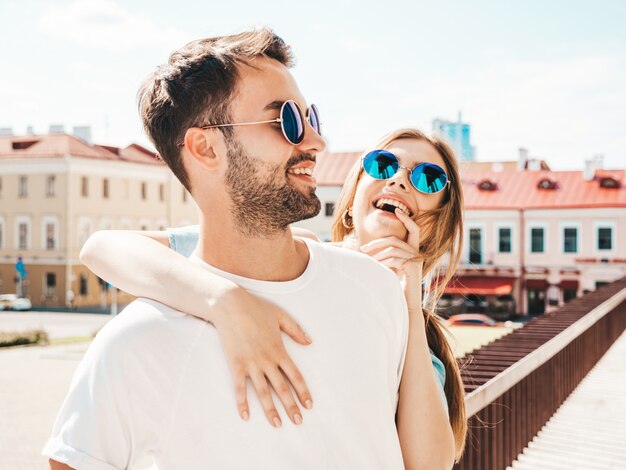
250 331
403 257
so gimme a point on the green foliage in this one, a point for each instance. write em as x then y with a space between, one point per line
23 337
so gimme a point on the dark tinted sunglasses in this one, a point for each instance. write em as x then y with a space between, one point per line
291 119
427 178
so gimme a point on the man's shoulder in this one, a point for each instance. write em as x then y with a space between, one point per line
145 323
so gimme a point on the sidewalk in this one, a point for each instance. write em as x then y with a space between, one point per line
588 431
57 325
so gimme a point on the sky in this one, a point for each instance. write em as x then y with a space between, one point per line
549 76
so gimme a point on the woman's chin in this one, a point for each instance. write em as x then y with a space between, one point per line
388 227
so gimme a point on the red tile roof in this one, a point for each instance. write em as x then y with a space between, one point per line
518 189
60 145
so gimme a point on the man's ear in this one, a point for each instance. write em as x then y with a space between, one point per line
201 145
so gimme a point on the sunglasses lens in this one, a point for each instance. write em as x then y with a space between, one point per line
293 124
429 178
314 119
380 164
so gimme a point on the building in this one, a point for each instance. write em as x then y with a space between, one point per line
56 190
457 134
534 238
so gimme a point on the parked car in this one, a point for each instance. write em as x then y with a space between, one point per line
476 304
450 304
471 319
13 302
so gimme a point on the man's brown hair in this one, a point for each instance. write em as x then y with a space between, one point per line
196 86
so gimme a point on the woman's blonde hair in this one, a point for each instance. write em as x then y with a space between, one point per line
444 237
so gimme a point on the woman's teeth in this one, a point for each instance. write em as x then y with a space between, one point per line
381 203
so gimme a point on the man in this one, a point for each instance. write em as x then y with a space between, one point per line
154 387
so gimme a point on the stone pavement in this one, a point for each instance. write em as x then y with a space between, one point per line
58 325
34 381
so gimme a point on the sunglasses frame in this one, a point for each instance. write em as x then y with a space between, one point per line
279 120
409 171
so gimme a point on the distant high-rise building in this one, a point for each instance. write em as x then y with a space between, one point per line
458 136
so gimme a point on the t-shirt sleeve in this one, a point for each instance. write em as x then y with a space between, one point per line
440 373
92 429
183 240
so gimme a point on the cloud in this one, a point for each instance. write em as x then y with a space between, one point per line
105 25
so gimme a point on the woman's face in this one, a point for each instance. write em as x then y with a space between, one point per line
370 222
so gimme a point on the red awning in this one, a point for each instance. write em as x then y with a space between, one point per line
480 285
536 283
569 284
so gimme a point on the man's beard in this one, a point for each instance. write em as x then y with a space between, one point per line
263 201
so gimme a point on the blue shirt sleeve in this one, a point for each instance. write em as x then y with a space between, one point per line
184 240
440 373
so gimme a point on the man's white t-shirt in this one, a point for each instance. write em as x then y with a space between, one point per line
154 389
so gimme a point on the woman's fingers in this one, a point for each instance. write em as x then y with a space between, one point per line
413 237
297 382
393 252
259 381
293 329
282 389
382 243
239 377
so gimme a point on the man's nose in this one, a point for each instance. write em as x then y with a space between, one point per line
312 142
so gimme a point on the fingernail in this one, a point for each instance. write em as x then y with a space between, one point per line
277 422
308 404
298 419
307 337
245 415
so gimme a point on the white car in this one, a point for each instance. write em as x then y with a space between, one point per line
13 302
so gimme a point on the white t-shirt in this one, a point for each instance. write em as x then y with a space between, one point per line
154 389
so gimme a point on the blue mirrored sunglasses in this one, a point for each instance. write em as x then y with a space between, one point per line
427 178
291 121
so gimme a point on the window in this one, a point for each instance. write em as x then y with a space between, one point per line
23 236
105 188
605 238
50 182
536 240
570 240
50 236
84 186
84 230
143 191
568 294
504 240
84 284
161 192
50 284
475 248
329 208
22 190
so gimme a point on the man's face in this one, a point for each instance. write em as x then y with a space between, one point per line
262 180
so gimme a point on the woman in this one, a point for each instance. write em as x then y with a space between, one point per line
402 205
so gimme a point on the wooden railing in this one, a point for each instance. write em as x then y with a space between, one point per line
515 384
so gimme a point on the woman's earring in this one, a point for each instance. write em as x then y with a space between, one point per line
346 219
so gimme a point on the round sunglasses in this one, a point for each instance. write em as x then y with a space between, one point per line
291 119
427 178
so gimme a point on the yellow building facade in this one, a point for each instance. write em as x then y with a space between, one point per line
55 191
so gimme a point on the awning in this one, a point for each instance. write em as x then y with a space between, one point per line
536 283
569 284
480 285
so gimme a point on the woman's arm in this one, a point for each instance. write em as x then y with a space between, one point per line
424 429
142 264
